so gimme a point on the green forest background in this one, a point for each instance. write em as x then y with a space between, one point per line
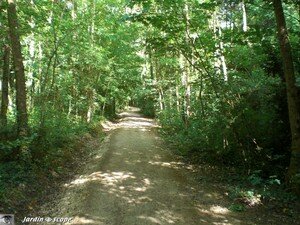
211 72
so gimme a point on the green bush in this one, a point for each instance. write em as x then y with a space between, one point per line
243 127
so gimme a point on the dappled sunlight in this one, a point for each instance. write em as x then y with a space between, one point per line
168 216
144 129
172 164
217 215
125 190
136 124
78 181
156 156
112 178
208 212
108 125
222 223
219 210
118 184
146 184
133 161
140 183
136 189
109 179
143 199
162 217
130 119
213 195
130 123
136 118
82 220
151 219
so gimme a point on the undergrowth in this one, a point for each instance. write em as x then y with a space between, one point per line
47 156
256 156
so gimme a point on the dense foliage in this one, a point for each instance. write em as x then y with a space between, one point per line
211 72
80 63
214 71
75 64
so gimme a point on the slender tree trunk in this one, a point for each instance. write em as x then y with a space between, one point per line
293 92
70 107
177 98
89 114
32 54
151 64
220 63
200 97
21 103
222 57
156 83
187 92
47 91
4 102
161 99
186 68
90 108
245 25
186 84
221 52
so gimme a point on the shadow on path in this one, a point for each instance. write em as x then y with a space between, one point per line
138 182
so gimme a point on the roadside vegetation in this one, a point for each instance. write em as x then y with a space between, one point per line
221 77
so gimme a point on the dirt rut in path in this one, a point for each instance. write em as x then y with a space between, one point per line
138 182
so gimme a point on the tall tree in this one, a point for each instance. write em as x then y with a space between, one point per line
293 92
4 102
245 25
22 119
185 67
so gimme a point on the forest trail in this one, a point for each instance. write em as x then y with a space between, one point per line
138 182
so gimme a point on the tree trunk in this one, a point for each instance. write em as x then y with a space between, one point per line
293 92
151 64
22 119
187 94
4 102
157 76
220 63
177 98
186 69
222 57
161 99
90 108
245 25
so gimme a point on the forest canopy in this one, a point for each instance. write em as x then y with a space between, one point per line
221 77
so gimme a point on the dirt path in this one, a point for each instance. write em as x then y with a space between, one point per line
138 182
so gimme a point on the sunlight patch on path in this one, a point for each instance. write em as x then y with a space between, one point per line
130 119
110 179
163 217
138 182
173 165
82 220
